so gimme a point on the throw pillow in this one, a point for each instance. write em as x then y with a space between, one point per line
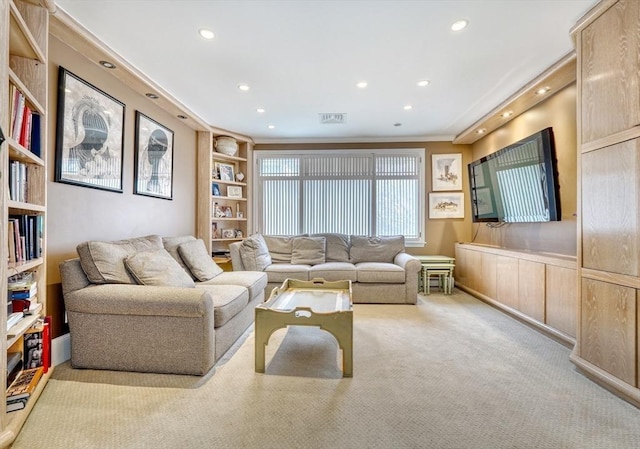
157 268
103 262
375 249
171 245
337 247
308 250
279 248
254 253
197 259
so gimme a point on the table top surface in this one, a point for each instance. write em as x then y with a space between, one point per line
436 259
319 301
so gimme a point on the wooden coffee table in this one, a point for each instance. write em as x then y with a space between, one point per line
327 305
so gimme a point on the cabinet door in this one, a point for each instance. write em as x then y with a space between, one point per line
474 273
487 280
609 72
610 199
531 289
608 328
561 300
507 281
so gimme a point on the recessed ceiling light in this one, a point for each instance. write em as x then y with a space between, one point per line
481 131
207 34
506 114
260 110
152 95
397 124
543 90
107 64
408 107
423 83
183 117
362 84
271 126
243 87
459 25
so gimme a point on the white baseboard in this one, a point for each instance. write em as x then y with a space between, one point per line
60 349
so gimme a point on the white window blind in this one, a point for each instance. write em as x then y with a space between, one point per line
353 192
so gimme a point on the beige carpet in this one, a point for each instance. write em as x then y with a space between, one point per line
450 372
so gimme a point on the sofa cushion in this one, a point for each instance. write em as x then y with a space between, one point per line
279 248
171 245
228 301
308 250
279 272
255 281
375 249
197 259
254 253
337 247
380 273
157 267
334 271
103 262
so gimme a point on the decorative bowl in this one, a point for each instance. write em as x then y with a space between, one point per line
226 145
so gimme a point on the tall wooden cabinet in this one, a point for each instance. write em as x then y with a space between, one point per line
607 41
24 29
223 202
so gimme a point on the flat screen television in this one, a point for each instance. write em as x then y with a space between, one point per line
517 184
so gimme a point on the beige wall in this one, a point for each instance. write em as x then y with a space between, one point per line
558 112
76 214
441 235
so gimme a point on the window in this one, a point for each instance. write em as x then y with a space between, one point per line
352 192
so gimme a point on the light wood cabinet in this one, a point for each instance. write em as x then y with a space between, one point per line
532 286
23 169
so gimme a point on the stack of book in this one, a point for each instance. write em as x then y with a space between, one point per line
25 122
21 389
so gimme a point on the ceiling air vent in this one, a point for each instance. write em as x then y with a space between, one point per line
328 118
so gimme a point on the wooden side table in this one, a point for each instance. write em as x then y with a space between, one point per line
441 266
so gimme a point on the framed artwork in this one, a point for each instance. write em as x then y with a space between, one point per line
234 192
446 205
228 234
225 171
89 135
215 189
446 171
153 161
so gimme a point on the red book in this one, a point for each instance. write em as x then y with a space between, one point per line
46 344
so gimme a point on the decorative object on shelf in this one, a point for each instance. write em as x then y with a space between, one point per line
225 171
215 189
153 169
446 171
446 205
228 234
226 145
239 176
234 192
228 212
89 135
218 212
240 214
215 174
214 231
238 233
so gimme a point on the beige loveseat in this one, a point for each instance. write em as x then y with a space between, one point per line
378 267
155 304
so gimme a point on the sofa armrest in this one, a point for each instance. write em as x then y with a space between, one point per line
408 262
127 299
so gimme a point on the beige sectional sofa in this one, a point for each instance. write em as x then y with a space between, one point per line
155 304
379 268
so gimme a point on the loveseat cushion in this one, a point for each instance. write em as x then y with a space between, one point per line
375 249
103 262
228 301
157 267
308 250
337 247
254 253
255 281
171 244
380 273
279 272
334 271
279 248
196 257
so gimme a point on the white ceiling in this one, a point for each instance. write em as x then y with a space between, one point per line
304 57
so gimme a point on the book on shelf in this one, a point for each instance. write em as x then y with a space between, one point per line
24 385
17 404
27 237
14 366
13 319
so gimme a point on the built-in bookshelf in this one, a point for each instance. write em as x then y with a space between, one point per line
23 88
223 193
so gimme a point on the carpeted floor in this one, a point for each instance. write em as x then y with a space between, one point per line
451 372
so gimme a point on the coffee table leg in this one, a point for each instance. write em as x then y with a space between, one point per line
342 330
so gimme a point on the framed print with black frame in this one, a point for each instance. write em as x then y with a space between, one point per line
89 135
153 161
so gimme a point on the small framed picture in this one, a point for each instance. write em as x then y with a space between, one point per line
225 171
228 212
228 234
234 192
238 233
446 171
446 205
215 189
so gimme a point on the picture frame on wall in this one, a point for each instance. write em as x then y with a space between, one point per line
153 160
226 171
446 171
446 205
89 135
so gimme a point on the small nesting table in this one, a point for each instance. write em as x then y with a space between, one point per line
441 266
